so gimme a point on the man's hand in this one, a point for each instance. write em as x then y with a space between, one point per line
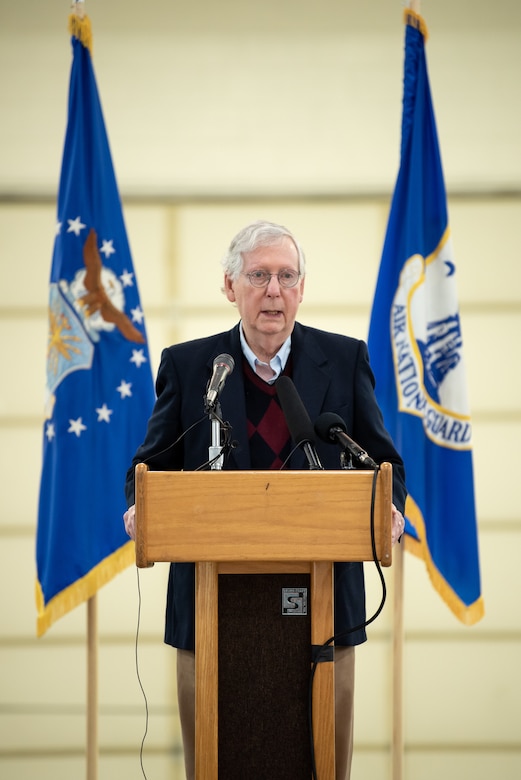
397 524
129 518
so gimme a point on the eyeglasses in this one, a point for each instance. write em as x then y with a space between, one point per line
286 278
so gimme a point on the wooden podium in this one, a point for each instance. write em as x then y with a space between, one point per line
256 522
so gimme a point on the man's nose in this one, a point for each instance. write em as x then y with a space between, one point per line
273 287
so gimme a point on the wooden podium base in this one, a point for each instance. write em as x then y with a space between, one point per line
264 670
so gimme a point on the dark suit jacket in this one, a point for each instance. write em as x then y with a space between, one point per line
331 374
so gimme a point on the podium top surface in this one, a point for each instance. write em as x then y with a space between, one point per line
262 515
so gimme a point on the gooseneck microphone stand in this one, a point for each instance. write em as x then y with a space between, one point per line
221 433
216 448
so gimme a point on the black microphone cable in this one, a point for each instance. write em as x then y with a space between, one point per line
142 747
174 443
227 446
322 648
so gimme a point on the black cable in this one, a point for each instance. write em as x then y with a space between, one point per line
173 444
295 448
139 677
227 446
335 637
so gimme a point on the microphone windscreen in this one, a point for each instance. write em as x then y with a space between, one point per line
325 423
297 418
225 360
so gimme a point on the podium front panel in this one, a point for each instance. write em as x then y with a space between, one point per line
264 670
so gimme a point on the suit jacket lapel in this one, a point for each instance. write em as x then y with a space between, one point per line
310 374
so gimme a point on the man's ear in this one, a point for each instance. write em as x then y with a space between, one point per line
228 288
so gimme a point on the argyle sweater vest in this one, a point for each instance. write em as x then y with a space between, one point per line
268 434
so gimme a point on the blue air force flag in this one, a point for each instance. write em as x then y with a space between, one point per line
99 390
416 347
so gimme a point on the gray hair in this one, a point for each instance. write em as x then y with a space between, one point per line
260 233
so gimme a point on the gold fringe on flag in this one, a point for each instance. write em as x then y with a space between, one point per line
80 28
415 20
83 589
467 614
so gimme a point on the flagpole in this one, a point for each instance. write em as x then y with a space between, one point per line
92 688
78 9
397 747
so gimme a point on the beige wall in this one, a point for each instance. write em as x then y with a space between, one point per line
218 114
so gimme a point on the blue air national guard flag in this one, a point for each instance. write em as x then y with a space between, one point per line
416 349
99 381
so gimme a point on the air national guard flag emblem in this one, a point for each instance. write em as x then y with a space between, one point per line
427 352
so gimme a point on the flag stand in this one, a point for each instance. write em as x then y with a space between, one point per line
92 688
397 747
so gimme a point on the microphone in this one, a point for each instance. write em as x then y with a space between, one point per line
297 419
331 428
223 365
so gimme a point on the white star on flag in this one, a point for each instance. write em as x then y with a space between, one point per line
104 413
107 248
137 315
50 432
75 226
138 357
127 279
124 389
76 426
